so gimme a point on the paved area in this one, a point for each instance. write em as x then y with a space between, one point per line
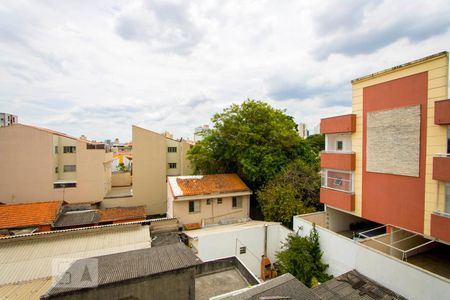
120 192
436 260
210 285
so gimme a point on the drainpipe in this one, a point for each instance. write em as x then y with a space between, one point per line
265 240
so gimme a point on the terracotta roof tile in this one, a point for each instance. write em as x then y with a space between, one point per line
122 213
28 214
210 184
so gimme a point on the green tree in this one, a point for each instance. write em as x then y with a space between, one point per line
253 139
295 190
302 257
316 142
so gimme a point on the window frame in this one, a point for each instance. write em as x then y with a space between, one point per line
65 170
193 211
219 200
69 149
172 165
172 149
236 202
341 144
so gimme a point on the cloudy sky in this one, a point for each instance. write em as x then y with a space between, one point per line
97 67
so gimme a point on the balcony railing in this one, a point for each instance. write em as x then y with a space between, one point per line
442 112
339 124
337 160
336 180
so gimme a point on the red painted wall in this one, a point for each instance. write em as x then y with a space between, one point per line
395 199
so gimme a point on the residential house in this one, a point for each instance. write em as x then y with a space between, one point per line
39 164
207 199
7 119
25 218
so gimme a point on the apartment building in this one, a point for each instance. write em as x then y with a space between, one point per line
8 119
207 199
389 162
302 130
40 164
156 156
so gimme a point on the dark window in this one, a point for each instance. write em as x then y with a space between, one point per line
242 250
194 206
219 200
339 145
69 149
237 202
172 165
56 149
56 170
64 185
70 168
171 149
208 201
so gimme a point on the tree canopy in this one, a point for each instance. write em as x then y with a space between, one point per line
295 190
316 142
254 140
302 257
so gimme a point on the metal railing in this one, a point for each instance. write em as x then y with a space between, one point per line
337 183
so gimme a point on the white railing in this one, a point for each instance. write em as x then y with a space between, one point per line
442 155
337 182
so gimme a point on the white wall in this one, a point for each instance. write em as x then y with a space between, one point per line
227 243
331 139
343 254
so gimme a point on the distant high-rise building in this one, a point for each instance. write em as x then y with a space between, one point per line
7 119
302 131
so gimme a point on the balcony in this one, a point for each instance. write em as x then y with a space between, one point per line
337 160
339 124
442 112
337 189
440 226
441 167
337 199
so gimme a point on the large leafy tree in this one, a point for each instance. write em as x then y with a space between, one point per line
295 190
253 139
302 257
316 142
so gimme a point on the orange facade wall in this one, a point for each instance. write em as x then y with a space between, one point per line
339 124
339 161
440 227
442 112
394 199
338 199
441 168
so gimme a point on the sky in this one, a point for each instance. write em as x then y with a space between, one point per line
97 67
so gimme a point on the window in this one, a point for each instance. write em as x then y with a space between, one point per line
447 198
237 202
171 149
70 168
69 149
194 206
209 201
242 250
172 165
56 149
56 170
219 200
338 181
339 145
64 185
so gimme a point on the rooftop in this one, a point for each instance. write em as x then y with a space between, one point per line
118 267
77 218
206 184
122 213
227 228
353 285
28 214
283 287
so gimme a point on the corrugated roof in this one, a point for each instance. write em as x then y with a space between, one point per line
206 184
30 258
30 290
77 218
28 214
122 213
133 264
285 287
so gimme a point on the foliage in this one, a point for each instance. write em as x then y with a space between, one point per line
253 139
302 258
121 167
295 190
316 142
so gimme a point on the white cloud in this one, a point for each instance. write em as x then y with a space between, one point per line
97 69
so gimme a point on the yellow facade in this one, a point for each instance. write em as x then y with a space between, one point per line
437 68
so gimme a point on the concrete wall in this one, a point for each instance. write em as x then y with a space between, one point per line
343 254
227 243
209 214
172 285
121 179
29 160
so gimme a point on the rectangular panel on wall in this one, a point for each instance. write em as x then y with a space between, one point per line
393 141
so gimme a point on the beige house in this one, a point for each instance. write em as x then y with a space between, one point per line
207 199
40 165
156 156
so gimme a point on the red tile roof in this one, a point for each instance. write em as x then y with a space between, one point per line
28 214
122 213
210 184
